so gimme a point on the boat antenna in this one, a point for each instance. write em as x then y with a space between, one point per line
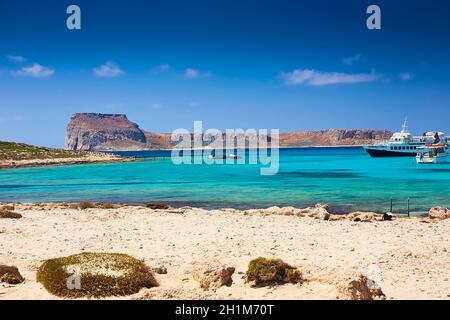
405 125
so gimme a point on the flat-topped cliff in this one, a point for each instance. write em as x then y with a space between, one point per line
96 131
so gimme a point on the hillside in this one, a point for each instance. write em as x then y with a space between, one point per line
22 151
14 155
96 131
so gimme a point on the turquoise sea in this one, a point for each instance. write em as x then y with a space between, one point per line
346 178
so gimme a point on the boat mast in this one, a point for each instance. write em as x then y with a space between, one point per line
405 126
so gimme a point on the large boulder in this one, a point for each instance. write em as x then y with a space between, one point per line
439 213
10 275
212 275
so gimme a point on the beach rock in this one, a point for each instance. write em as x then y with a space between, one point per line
319 211
272 210
212 275
10 275
359 287
287 211
160 269
362 216
439 213
387 216
323 215
355 288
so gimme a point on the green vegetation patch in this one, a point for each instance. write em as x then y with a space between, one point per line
22 151
88 205
98 275
5 213
264 271
157 205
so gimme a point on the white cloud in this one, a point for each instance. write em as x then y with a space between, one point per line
14 58
162 68
405 76
108 70
319 78
36 71
191 73
353 59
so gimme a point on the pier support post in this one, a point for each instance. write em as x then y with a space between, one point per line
408 208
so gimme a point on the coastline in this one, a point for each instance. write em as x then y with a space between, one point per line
237 148
108 156
90 158
329 251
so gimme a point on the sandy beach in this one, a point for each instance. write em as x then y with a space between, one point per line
91 157
411 254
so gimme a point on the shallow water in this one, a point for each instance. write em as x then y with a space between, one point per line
346 178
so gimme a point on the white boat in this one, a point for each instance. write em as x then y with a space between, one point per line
403 144
434 153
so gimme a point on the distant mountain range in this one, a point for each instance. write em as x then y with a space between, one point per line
96 131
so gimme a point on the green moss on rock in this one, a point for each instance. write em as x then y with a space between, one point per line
89 205
86 205
264 271
6 214
100 274
157 205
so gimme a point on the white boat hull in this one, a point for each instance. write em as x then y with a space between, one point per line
430 159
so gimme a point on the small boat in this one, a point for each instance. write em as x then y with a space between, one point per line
233 156
224 156
432 153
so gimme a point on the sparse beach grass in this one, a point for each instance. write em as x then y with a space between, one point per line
13 155
6 212
264 271
101 275
22 151
157 205
90 205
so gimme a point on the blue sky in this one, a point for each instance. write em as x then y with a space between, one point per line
292 65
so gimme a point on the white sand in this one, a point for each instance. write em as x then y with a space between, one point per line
92 157
412 254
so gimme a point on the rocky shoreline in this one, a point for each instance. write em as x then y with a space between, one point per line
195 253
